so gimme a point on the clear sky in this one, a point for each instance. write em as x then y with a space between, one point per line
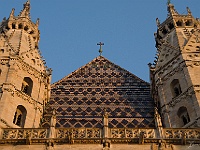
70 30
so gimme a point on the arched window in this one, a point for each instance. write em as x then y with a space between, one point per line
20 26
26 28
20 116
183 115
175 88
179 23
13 26
188 23
27 86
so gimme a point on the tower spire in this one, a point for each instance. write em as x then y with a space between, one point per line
188 10
171 9
26 11
12 14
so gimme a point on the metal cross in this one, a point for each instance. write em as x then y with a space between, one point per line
168 2
100 50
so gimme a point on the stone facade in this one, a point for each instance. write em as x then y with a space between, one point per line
175 75
100 106
25 81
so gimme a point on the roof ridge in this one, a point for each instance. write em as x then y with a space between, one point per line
99 57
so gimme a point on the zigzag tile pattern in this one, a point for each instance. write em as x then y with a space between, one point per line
81 97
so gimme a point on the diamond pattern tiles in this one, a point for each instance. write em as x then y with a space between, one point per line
81 97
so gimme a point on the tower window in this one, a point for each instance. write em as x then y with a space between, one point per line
13 26
188 23
164 31
183 115
27 86
175 88
20 26
26 28
170 26
179 23
20 116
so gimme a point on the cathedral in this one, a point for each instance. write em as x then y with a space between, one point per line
100 106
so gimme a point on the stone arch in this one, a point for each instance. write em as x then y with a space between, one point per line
183 115
20 116
175 88
27 86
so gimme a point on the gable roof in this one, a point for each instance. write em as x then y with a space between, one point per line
81 97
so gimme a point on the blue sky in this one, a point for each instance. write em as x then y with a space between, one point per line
70 30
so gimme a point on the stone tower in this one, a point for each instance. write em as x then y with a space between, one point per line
24 78
175 75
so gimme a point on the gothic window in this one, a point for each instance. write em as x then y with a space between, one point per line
26 28
20 26
183 115
179 23
175 88
27 86
13 26
164 31
188 23
20 116
170 26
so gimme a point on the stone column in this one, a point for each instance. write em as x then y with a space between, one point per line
106 141
105 125
158 124
52 125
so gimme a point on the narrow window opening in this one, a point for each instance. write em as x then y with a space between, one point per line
183 115
13 26
175 88
26 28
32 32
188 23
20 116
27 86
2 51
164 31
179 23
20 26
170 26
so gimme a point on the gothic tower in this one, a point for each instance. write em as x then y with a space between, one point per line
24 78
175 75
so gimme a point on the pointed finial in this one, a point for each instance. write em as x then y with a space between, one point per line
157 22
12 14
37 22
171 9
188 10
100 50
26 11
